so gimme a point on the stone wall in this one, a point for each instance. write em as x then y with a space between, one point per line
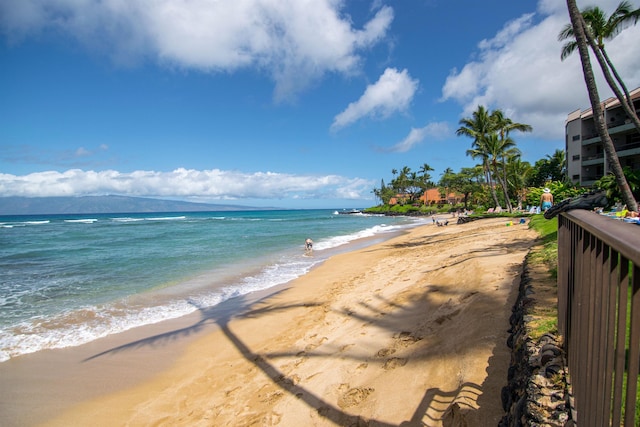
536 393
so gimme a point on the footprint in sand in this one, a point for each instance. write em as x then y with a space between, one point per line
312 346
385 352
354 396
394 362
273 397
345 347
406 338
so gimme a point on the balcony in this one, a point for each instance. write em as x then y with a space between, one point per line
620 126
615 128
626 150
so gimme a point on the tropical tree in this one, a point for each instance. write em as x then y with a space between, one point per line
558 162
382 193
424 178
608 183
504 126
551 168
517 176
579 30
498 150
493 145
467 182
478 127
597 28
402 182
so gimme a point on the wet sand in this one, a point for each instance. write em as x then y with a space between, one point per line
410 331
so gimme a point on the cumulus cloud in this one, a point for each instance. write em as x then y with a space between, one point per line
294 41
184 183
436 130
519 70
393 92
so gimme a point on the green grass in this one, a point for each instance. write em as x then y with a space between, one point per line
544 314
548 255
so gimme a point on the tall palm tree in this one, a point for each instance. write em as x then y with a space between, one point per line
424 170
504 125
579 30
493 145
478 127
598 27
558 162
517 175
402 182
498 150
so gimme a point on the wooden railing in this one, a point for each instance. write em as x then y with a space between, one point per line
599 315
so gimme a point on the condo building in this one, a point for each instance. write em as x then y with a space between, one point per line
586 159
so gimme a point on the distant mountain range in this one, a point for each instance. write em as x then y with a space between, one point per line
103 204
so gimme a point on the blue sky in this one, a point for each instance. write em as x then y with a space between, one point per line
279 103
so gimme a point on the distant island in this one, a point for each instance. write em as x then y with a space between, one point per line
104 204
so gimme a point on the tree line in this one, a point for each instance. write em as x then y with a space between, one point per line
501 178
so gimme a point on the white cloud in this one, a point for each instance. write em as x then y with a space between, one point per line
294 41
183 183
416 136
520 71
393 92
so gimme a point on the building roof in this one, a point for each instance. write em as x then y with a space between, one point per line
606 104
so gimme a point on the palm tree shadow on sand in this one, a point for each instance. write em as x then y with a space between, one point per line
436 405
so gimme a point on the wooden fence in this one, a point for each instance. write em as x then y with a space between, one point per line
599 315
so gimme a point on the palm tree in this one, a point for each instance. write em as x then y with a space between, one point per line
493 145
498 150
558 164
598 27
517 175
424 180
403 181
579 29
504 125
478 127
424 170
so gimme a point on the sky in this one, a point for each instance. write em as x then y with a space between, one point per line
274 103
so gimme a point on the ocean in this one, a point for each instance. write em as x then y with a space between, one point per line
66 280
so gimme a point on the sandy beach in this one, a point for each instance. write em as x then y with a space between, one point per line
408 332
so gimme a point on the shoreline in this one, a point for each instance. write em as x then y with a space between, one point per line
112 291
367 335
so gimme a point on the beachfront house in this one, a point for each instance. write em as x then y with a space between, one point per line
432 196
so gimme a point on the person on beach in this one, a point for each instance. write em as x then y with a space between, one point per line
308 245
546 200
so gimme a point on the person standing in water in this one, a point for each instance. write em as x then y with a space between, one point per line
308 244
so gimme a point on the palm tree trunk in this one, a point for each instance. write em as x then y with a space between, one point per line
618 79
505 186
487 171
507 202
607 68
592 89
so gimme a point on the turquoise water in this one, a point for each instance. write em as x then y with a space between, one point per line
68 279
